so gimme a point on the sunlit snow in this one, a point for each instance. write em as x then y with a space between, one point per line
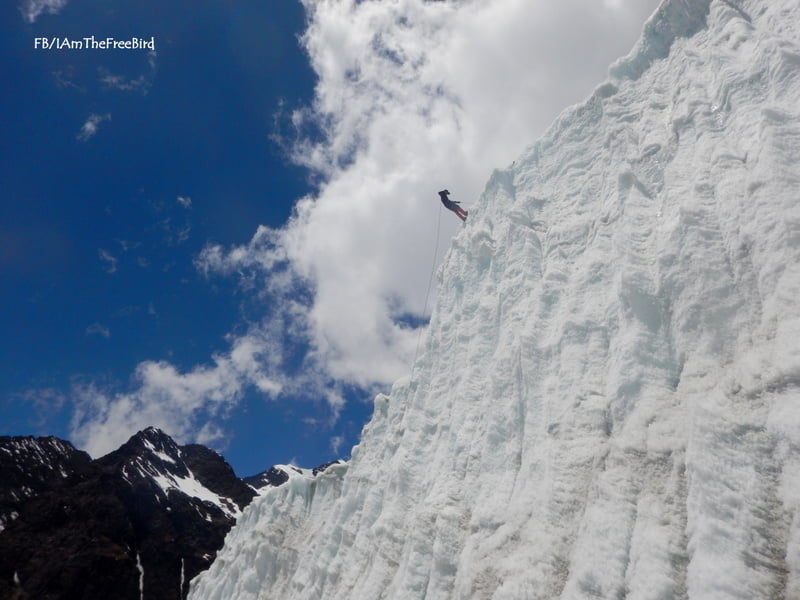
162 455
140 568
608 401
190 486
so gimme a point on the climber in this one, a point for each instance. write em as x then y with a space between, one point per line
452 205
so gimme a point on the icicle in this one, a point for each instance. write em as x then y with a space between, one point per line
182 581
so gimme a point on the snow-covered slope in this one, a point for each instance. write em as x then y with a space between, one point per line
608 403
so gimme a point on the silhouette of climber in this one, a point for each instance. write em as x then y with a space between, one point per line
452 205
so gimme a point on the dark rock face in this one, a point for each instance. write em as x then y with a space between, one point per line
317 470
272 477
216 474
140 522
276 476
30 465
144 519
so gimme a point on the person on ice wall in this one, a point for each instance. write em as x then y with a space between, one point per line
452 205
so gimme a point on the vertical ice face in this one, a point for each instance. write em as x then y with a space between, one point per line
608 403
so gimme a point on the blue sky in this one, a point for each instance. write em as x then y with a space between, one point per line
230 237
99 230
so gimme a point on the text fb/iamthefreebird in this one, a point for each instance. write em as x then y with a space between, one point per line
93 43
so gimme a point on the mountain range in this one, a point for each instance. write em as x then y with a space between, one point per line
140 522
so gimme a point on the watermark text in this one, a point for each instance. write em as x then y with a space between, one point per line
93 43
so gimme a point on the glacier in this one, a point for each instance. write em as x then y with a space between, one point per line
608 400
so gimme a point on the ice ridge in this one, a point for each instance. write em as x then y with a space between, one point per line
673 19
608 400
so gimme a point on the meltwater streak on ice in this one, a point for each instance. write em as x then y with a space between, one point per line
608 403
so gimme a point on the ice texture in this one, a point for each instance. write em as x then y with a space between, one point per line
608 401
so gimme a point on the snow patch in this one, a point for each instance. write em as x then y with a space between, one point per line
190 486
162 455
140 568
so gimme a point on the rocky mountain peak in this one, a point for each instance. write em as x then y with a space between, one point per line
143 519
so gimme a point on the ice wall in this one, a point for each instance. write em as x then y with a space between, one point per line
608 403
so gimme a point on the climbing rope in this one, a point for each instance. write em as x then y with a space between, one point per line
430 282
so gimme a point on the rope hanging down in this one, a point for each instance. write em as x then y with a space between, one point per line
430 282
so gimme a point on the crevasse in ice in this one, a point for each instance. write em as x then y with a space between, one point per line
608 401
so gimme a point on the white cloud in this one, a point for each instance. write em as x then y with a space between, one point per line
125 84
337 442
141 84
185 201
98 329
46 402
181 403
32 9
412 97
89 128
109 261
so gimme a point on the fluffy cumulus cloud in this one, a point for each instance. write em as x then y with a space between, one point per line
413 96
181 403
